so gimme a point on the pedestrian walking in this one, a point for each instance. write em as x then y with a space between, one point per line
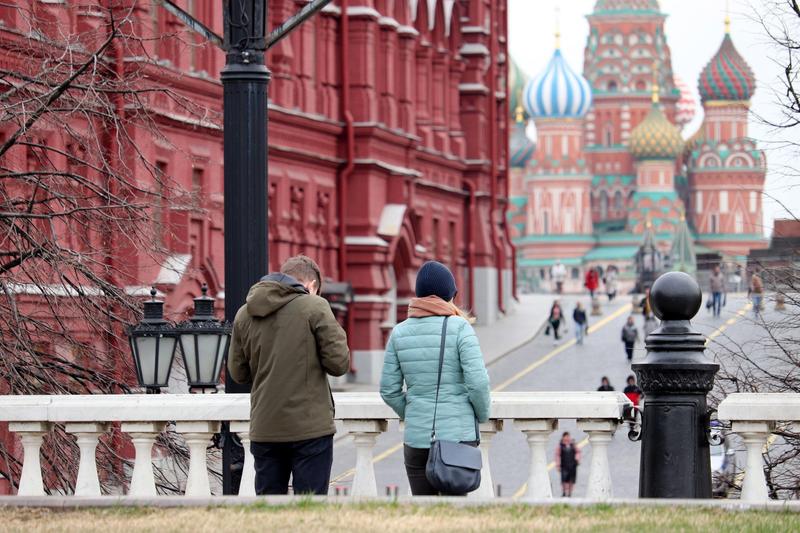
716 284
650 322
558 273
610 281
632 390
554 321
286 342
592 281
409 382
581 323
568 457
629 336
605 385
756 291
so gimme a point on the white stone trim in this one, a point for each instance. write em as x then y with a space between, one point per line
473 49
365 240
363 11
473 88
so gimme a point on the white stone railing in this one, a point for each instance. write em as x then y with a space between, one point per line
362 415
754 416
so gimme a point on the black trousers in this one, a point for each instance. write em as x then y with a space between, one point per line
308 461
629 350
415 460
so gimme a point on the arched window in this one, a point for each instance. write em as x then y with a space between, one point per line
618 200
612 86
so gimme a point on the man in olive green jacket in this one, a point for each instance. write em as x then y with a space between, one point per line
285 342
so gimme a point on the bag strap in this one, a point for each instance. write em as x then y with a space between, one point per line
439 382
439 377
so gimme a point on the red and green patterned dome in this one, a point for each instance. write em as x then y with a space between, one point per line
656 137
616 6
727 76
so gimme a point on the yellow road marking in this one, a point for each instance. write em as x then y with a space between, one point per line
542 360
622 310
550 466
731 321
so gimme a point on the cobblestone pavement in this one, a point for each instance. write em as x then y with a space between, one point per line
541 366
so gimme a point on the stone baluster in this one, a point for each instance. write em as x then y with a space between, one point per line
31 434
754 435
143 435
537 433
197 435
247 486
87 435
365 433
487 430
600 433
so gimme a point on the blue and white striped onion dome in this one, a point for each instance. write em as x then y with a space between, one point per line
557 92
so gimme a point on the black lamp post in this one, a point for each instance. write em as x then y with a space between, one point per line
153 344
204 344
675 376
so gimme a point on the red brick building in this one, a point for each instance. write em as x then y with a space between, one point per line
404 164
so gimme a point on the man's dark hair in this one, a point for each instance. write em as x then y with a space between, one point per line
303 268
631 378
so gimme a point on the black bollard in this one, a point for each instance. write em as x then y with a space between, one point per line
675 377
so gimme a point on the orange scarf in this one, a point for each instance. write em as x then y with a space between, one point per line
434 306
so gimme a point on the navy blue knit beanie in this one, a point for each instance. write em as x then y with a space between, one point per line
436 279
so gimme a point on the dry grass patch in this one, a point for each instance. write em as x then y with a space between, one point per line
308 517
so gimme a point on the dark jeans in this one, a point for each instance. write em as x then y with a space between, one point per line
308 461
555 324
416 459
629 350
716 299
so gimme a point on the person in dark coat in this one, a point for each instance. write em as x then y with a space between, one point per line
286 342
581 323
629 336
605 385
568 457
554 320
632 390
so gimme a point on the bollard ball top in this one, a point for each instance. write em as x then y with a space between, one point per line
676 296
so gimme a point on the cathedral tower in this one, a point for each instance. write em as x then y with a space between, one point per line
726 170
626 39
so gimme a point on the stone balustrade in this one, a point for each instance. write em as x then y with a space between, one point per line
362 415
754 416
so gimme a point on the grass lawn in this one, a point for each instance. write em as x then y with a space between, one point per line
308 517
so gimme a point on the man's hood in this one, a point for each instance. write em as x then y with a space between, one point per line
272 293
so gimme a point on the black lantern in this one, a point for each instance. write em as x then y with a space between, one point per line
204 343
153 345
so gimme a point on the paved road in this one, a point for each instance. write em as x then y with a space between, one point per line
541 366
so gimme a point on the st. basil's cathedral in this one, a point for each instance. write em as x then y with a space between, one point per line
609 165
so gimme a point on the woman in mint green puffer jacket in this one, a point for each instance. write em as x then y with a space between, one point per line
412 358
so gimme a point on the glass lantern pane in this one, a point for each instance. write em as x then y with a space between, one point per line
208 356
189 359
223 345
166 349
146 351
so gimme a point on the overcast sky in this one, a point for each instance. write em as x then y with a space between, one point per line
694 30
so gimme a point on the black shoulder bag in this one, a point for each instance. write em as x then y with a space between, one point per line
453 468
